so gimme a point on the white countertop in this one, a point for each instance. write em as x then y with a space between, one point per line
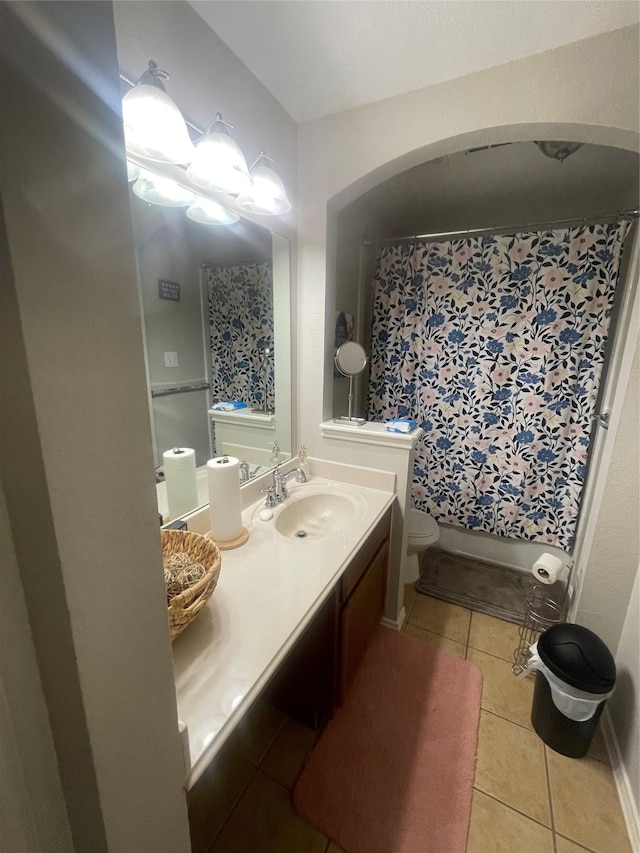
268 591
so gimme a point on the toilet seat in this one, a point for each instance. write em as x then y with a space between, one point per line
423 529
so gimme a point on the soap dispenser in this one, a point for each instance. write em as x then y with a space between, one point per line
303 462
276 455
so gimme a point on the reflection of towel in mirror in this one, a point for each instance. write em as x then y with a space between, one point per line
400 425
229 406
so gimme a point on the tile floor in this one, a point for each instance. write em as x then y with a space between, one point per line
526 799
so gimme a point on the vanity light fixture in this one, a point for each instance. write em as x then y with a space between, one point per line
156 133
153 125
155 189
218 163
266 194
133 171
208 212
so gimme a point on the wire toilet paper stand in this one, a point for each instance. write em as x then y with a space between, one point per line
541 611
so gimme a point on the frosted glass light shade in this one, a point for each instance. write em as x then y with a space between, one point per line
267 194
154 127
218 164
133 171
164 191
208 212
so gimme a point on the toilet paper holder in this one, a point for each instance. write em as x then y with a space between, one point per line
541 611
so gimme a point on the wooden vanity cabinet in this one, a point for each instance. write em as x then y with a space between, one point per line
361 596
313 680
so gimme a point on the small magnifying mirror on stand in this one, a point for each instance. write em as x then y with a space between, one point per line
350 360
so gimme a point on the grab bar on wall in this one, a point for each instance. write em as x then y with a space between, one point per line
181 389
602 419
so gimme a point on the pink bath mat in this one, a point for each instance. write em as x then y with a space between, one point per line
393 771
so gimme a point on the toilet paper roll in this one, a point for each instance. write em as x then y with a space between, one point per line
225 508
548 569
180 479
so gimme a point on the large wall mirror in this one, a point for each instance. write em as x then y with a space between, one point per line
216 309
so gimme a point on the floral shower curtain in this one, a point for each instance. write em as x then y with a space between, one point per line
495 346
241 326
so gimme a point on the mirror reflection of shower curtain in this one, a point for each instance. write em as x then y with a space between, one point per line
495 346
241 332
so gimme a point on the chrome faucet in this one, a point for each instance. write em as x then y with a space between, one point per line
280 490
244 472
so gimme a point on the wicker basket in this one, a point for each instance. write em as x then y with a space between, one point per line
184 608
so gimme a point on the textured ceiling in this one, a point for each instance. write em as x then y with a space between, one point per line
319 57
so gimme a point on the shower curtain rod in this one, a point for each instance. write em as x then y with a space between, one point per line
632 214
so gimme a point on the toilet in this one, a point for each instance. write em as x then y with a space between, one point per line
423 532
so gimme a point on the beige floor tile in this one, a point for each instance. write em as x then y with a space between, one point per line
511 767
255 733
563 845
493 636
286 756
435 640
448 620
214 796
495 828
502 692
585 803
410 595
264 822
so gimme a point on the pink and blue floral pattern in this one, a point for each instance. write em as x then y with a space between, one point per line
495 346
241 326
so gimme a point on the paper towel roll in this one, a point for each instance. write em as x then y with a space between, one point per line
548 569
225 509
180 479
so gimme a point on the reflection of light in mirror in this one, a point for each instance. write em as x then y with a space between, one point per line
164 191
211 213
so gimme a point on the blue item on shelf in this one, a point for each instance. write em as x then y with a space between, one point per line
229 406
400 425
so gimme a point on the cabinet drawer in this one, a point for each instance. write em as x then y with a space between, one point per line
362 559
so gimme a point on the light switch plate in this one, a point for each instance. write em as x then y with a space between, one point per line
171 359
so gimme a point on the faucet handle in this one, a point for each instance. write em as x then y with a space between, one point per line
271 497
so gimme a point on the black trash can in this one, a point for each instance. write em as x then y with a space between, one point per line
576 675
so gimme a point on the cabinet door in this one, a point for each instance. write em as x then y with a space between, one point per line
359 616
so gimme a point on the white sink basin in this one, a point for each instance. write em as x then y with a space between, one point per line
320 514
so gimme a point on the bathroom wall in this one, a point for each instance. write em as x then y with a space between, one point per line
75 450
624 707
615 553
32 807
